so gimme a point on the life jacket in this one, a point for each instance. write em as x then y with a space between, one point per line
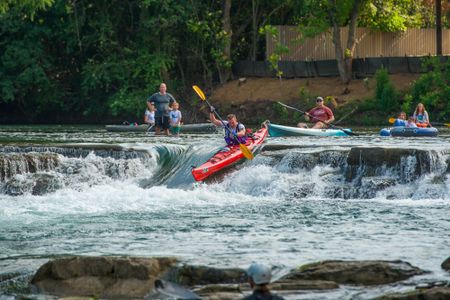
399 122
230 139
422 125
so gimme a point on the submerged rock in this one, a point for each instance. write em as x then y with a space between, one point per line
45 183
446 264
201 275
373 161
101 277
374 272
437 293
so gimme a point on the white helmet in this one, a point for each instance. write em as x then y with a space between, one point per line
260 273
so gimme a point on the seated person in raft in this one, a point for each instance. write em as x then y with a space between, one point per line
411 123
320 115
401 120
421 117
235 133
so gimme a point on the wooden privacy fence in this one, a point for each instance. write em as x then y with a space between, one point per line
413 42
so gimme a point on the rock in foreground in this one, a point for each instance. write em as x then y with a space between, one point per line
101 277
371 272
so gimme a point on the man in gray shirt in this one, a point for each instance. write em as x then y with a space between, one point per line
161 100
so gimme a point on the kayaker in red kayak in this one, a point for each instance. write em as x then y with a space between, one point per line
320 115
235 133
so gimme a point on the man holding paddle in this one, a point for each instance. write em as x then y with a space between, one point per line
234 131
320 115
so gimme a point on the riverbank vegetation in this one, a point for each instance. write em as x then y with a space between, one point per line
85 61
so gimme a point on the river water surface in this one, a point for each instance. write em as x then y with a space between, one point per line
84 191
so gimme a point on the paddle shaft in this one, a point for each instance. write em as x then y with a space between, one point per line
328 124
440 124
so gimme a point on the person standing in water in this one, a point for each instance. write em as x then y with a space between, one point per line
149 117
161 100
175 119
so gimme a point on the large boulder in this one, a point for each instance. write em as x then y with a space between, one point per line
101 277
356 272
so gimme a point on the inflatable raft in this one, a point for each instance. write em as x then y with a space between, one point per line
409 132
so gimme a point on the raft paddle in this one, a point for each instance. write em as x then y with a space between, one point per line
392 120
245 151
348 132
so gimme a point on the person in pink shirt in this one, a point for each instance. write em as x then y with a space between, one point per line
320 115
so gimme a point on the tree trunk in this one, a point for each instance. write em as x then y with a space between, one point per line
254 29
345 57
225 71
438 27
336 37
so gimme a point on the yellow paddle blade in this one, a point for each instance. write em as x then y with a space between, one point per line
247 153
391 120
199 92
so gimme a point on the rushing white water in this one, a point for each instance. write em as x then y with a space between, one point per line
286 207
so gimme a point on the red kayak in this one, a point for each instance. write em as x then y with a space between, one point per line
228 156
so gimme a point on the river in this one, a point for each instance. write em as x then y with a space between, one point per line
84 191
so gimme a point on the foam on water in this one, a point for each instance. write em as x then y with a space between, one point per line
285 208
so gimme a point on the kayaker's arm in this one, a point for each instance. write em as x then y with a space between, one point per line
330 120
213 119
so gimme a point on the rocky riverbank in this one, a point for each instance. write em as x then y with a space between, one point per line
134 278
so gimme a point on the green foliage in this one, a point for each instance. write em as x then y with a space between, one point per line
90 60
207 30
433 88
27 6
128 103
407 105
279 50
305 95
281 112
392 15
385 93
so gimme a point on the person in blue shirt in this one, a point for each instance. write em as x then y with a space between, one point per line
175 119
401 119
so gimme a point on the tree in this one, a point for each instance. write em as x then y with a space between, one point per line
30 6
383 15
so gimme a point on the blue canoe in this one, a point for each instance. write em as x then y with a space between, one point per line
409 132
280 130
